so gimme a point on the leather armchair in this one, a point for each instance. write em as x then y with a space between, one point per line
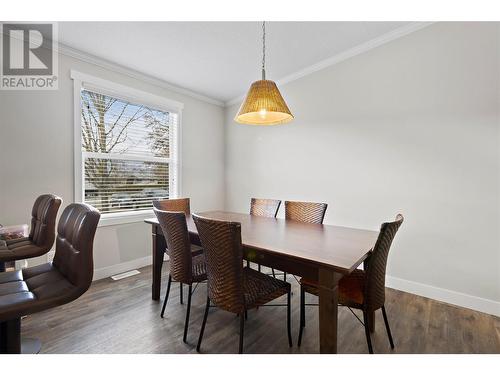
42 232
49 285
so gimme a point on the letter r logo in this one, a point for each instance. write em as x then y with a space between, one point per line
27 49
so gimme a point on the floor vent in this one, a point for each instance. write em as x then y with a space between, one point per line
125 274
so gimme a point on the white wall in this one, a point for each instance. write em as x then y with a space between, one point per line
411 126
36 156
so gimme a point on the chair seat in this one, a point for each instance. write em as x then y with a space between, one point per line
351 288
20 248
32 290
6 277
199 268
14 295
260 289
13 287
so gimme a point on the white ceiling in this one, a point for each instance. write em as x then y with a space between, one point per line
218 59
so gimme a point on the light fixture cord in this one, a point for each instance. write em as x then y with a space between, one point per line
263 50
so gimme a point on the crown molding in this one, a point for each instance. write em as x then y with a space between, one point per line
66 50
359 49
106 64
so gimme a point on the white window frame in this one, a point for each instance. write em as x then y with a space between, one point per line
82 81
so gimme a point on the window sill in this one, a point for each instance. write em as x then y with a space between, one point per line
124 218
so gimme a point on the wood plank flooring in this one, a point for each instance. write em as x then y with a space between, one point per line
120 317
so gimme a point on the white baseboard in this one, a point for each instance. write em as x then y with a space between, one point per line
102 273
445 295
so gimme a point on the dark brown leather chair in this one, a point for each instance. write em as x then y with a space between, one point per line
362 289
230 286
42 232
184 267
52 284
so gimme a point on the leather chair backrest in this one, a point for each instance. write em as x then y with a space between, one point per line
74 244
43 220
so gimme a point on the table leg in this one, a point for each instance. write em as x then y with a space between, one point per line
328 310
158 252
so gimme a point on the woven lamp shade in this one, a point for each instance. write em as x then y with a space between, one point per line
263 105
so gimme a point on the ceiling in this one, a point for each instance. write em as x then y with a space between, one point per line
218 59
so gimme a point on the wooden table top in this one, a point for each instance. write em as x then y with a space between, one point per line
340 248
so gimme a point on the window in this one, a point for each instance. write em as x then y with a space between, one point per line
128 149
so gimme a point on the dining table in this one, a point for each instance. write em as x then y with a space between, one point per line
320 252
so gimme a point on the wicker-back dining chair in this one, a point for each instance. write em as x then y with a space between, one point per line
177 205
362 289
264 208
230 286
184 267
305 212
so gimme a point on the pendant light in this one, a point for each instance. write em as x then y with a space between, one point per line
263 104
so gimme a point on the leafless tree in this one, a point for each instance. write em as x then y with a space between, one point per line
106 122
101 137
159 133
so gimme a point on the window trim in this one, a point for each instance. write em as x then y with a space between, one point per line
85 81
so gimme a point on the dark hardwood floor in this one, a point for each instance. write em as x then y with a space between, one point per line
120 317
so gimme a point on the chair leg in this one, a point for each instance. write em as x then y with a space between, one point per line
166 296
246 314
2 266
302 313
181 293
248 263
284 276
367 332
387 327
186 325
272 269
259 267
288 318
203 325
242 331
371 321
